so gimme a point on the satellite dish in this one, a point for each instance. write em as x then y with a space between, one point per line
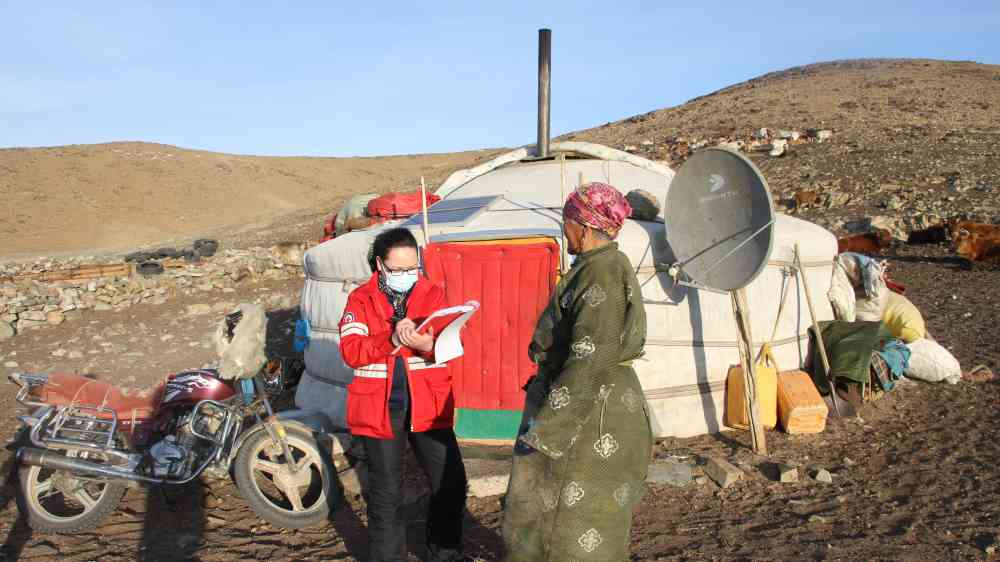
720 221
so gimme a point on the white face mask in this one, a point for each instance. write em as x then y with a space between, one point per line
400 282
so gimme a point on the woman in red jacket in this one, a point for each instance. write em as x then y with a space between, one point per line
398 395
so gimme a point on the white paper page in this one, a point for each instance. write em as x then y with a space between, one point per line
449 343
470 306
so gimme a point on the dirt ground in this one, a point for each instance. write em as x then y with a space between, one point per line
914 476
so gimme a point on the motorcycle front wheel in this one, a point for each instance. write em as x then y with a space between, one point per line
293 500
55 501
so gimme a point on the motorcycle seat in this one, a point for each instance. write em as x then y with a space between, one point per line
63 389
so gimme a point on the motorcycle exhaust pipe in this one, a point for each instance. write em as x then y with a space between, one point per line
32 456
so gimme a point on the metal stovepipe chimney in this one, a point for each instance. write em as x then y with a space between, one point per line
544 90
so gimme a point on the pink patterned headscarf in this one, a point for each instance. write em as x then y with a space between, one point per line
599 206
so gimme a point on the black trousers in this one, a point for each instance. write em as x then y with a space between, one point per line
438 454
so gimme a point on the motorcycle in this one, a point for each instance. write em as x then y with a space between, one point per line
86 441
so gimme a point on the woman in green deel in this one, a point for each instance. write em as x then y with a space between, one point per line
584 443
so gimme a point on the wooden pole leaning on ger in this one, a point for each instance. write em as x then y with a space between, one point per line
819 335
744 342
423 207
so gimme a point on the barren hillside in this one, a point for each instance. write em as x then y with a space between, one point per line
912 138
119 196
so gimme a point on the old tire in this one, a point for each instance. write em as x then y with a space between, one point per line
192 256
263 478
149 268
168 252
206 247
54 502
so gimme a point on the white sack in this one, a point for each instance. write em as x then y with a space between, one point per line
243 357
931 362
841 294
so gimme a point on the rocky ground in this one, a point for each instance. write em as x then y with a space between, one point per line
912 477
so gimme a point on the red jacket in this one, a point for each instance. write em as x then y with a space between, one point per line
366 346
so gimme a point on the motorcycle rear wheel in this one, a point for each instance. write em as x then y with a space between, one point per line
283 499
54 501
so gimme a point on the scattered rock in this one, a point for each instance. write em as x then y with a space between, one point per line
849 462
721 472
75 354
55 318
893 203
669 472
59 353
11 364
787 474
823 134
817 519
823 475
837 199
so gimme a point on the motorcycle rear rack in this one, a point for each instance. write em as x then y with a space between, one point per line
72 427
90 426
100 424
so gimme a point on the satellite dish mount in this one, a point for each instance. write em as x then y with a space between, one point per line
720 224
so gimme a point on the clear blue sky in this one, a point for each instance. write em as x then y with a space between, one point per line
365 78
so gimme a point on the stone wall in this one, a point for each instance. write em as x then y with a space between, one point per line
27 304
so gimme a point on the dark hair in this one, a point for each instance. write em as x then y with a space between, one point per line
386 241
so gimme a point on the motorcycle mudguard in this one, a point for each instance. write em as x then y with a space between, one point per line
306 420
